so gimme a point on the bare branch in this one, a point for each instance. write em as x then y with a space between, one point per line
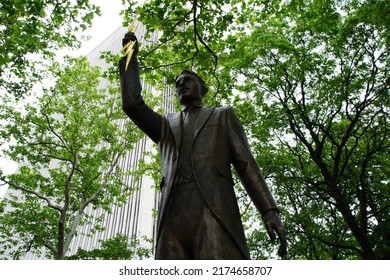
168 65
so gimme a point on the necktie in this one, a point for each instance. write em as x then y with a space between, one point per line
186 143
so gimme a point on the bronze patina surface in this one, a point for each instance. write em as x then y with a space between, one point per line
199 217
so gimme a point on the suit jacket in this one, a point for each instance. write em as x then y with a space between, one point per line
219 141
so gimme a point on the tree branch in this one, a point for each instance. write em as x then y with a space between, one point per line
197 35
51 248
54 132
82 207
37 194
341 246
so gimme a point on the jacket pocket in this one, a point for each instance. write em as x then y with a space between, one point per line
212 124
224 173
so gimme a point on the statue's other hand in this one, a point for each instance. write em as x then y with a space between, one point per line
274 224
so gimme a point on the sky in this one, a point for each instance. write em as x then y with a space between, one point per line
104 25
101 28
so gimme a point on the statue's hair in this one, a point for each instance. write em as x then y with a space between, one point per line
203 84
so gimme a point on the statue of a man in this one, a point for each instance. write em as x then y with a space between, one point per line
199 216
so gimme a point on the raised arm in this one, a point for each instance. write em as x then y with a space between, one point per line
132 101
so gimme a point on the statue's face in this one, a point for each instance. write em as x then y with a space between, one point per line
188 89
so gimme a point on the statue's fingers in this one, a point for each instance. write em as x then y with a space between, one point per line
271 232
283 241
282 251
129 36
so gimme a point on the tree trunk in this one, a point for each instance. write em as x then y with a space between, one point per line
357 231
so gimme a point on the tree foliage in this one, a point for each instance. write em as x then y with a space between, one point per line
308 79
32 29
310 82
67 143
116 248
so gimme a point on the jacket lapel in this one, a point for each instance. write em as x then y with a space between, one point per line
203 116
174 123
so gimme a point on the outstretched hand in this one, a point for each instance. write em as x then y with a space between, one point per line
274 224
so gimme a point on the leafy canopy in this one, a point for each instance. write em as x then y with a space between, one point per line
30 33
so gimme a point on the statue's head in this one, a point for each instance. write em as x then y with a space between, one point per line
190 87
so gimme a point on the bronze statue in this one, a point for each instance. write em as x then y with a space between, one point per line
199 217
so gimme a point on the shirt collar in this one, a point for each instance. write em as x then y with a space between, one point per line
195 104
